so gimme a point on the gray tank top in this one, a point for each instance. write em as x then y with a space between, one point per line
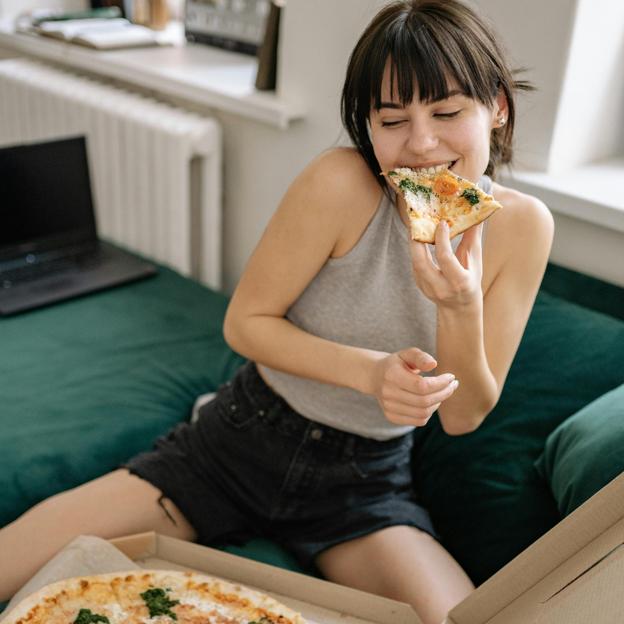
366 298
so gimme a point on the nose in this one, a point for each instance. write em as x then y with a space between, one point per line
422 137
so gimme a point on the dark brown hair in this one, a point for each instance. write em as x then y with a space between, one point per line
428 42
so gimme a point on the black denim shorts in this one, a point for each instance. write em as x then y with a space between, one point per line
251 466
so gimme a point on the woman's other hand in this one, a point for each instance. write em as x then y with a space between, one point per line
405 396
453 282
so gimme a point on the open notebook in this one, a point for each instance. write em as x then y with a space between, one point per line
102 34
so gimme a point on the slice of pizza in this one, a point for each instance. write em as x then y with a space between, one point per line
437 194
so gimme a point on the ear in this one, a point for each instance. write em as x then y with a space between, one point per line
500 111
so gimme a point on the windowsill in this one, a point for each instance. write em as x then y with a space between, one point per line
590 193
198 74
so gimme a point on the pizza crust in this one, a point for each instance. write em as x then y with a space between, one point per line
116 592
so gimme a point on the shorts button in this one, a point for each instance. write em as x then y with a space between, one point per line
316 434
233 407
261 413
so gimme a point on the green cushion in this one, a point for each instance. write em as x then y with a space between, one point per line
587 291
485 496
585 452
88 383
265 551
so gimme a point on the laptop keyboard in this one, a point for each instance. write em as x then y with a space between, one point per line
29 272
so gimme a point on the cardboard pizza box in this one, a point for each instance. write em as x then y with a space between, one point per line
574 574
318 601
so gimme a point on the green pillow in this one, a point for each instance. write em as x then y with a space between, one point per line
266 551
585 452
485 496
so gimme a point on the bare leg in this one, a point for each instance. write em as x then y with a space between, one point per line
401 563
113 505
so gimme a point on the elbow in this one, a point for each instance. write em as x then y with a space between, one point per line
458 427
231 333
457 424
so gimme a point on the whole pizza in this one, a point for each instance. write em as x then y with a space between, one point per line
150 597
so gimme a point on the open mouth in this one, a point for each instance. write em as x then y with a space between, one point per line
437 168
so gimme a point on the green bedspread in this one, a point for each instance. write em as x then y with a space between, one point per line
87 383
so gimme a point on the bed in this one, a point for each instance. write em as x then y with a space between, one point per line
90 382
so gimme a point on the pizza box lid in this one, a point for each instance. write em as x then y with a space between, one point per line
320 602
574 574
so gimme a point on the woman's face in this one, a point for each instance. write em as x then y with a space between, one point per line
455 131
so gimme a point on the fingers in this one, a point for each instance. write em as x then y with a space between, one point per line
445 384
444 251
412 421
413 383
471 240
422 261
417 360
415 410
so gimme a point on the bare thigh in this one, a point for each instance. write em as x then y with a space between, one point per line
401 563
113 505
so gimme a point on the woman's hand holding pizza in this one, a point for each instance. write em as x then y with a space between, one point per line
406 397
455 281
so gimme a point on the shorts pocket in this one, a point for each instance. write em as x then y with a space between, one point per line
235 412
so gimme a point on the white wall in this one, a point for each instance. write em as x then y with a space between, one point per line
591 105
537 35
575 49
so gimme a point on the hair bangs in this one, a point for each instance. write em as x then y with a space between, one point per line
429 63
422 69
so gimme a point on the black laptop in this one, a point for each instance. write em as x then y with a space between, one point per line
49 248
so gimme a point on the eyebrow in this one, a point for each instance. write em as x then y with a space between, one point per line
396 105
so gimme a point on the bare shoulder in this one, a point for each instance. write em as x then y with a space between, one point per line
522 210
524 218
338 191
339 175
523 228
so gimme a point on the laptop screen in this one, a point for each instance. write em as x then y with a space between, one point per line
45 197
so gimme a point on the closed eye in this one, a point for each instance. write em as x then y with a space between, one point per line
448 115
390 124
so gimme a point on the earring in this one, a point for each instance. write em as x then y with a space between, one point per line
501 120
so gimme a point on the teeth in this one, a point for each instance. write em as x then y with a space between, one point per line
435 169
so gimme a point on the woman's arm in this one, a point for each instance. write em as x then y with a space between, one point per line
317 214
478 342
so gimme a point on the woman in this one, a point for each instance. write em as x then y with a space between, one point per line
355 336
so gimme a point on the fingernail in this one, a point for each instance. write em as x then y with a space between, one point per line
455 384
449 377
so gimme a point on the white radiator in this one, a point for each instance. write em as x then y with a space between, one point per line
155 169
